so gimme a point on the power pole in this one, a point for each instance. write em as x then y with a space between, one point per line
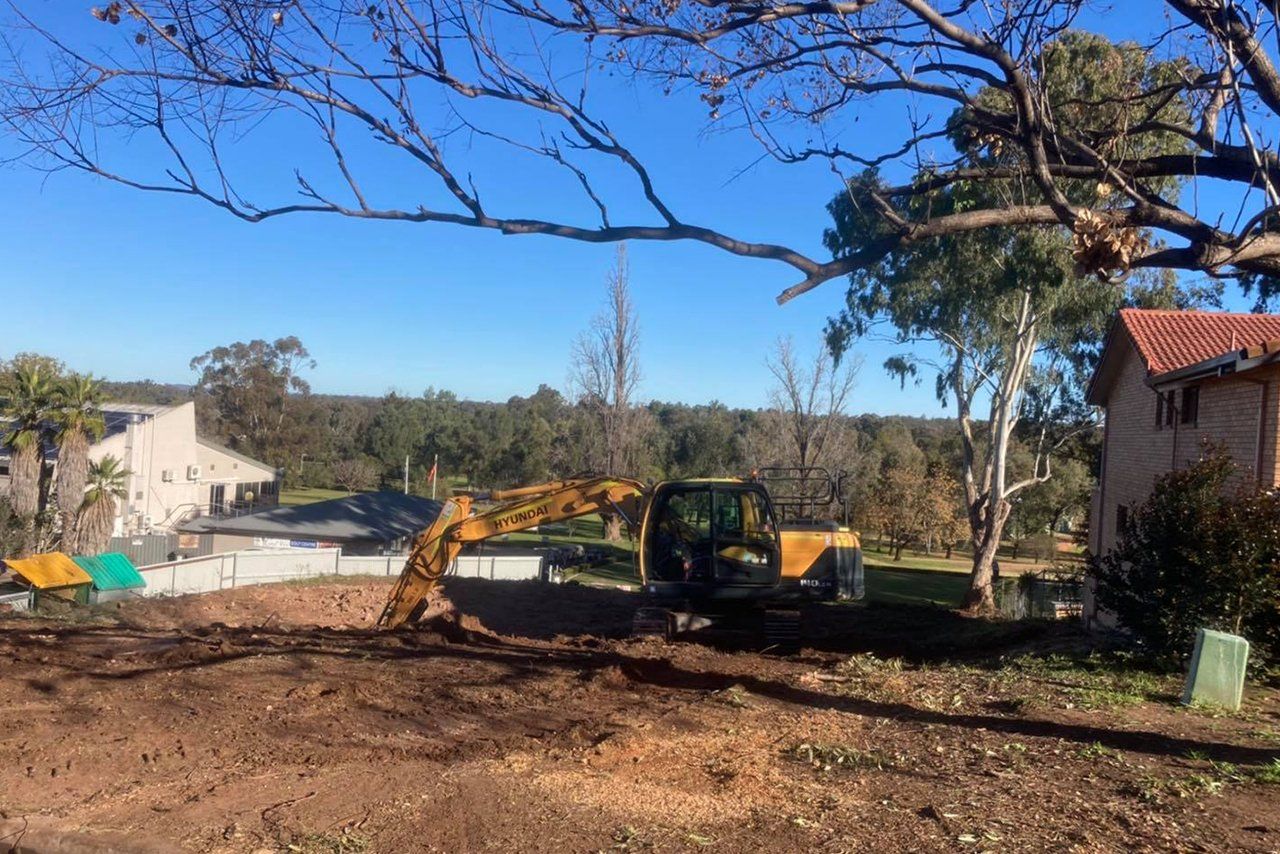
406 474
435 467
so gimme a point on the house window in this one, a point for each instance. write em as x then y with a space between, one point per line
1191 405
1122 519
1159 410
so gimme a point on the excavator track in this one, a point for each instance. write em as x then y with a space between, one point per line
651 622
782 628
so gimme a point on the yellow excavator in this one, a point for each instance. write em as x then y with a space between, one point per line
707 548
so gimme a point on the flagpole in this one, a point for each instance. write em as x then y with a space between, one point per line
435 467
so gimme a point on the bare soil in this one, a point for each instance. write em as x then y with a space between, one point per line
520 718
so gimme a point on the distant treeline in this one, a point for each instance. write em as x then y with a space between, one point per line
518 441
357 442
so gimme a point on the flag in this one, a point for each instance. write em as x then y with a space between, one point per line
431 475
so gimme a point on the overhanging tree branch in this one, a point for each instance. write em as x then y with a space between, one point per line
985 103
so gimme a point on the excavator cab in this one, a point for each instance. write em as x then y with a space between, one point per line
709 539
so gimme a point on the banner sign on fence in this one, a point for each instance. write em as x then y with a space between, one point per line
284 543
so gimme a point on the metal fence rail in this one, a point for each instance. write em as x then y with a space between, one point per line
16 601
267 566
1040 596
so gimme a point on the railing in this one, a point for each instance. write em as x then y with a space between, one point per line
20 601
267 566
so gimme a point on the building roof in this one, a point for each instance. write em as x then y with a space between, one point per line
368 516
235 455
110 571
1169 340
48 571
151 409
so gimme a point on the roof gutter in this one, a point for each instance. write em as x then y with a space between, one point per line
1233 362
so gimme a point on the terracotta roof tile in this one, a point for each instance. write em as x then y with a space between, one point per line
1169 340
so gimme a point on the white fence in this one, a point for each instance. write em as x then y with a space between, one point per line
266 566
17 601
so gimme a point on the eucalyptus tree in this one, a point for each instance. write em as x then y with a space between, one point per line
1010 311
994 316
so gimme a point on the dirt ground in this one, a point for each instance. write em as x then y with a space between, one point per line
521 719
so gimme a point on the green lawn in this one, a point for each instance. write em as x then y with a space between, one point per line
308 495
916 580
588 532
960 562
915 587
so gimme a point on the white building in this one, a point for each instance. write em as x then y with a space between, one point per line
174 474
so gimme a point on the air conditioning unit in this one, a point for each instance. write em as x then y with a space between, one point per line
167 475
193 472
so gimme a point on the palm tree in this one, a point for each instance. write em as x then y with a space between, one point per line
77 416
28 397
107 481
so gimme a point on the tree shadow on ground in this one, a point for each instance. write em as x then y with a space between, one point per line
170 652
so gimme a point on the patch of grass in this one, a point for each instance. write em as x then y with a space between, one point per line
333 578
627 838
904 586
308 495
866 664
1092 682
1210 780
1106 698
826 757
735 696
588 532
1097 750
1268 774
327 843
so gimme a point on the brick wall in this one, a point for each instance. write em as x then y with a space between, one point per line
1136 453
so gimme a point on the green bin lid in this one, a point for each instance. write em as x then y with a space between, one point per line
111 571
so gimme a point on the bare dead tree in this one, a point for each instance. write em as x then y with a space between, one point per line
983 100
805 424
810 400
605 377
354 475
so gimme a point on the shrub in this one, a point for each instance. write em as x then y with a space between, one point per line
1197 555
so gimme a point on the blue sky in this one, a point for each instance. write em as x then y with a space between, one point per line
132 285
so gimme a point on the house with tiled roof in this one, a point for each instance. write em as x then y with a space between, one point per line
1167 381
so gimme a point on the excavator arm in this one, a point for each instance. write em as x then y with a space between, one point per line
435 548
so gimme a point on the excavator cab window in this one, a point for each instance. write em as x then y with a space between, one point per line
746 545
682 535
705 534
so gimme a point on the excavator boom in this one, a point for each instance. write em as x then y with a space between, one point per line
435 549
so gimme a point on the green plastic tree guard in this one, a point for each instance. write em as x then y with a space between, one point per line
1217 669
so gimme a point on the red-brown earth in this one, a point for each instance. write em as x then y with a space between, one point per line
520 718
